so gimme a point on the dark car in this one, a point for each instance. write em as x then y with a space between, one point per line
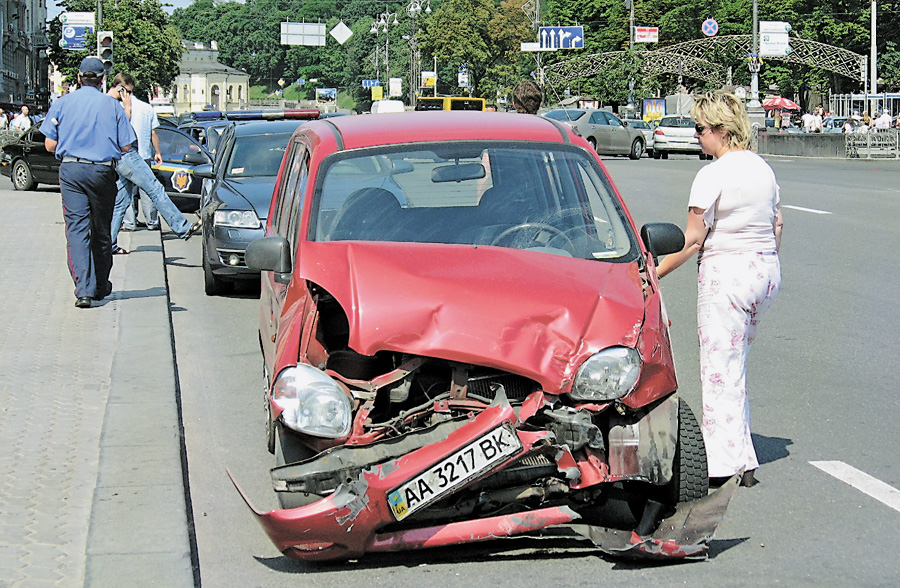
464 338
206 132
237 192
27 163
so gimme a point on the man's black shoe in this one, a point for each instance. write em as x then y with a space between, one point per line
83 302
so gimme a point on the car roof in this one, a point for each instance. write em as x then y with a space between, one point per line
444 125
262 127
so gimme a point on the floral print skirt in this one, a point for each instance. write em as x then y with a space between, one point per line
734 291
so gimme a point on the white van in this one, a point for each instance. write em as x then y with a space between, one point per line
383 106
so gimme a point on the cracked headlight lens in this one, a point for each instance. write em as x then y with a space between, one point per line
313 403
608 375
242 219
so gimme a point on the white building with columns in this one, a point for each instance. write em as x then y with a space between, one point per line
204 83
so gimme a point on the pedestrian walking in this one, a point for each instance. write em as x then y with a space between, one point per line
4 122
22 122
527 97
88 131
135 172
734 224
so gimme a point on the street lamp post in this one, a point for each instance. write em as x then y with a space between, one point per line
414 9
385 19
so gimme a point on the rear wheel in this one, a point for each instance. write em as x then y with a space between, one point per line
656 154
665 155
22 178
637 149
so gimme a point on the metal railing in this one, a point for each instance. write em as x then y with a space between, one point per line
875 144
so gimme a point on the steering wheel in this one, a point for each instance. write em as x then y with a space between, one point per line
539 237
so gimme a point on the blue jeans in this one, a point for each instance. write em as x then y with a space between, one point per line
134 171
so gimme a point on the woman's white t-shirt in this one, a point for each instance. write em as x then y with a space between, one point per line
740 197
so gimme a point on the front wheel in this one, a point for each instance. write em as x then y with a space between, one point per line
212 284
593 143
637 149
690 476
22 178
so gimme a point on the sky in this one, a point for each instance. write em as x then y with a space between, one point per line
168 5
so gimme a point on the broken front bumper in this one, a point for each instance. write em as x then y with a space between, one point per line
363 500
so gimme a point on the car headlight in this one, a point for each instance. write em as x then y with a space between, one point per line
312 402
242 219
608 375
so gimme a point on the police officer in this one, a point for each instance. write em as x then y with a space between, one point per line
88 131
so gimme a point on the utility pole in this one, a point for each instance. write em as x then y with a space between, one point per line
873 80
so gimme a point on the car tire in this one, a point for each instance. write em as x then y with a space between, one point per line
289 450
212 284
649 152
593 143
665 155
690 477
656 154
637 149
22 178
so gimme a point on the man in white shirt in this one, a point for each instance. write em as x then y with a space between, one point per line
884 121
22 122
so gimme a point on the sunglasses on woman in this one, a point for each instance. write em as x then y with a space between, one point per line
700 129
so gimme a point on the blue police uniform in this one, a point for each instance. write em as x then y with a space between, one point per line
89 127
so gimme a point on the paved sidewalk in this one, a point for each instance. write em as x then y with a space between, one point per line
91 483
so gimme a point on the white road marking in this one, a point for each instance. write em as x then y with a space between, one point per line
862 481
801 209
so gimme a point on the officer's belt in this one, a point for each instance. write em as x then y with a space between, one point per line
110 163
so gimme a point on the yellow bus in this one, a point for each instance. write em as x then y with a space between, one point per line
449 103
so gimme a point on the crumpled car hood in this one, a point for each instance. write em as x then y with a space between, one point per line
535 314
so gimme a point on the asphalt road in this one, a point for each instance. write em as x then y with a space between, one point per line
823 388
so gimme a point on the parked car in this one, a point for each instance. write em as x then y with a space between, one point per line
28 163
646 129
206 132
833 124
464 338
603 130
235 199
675 134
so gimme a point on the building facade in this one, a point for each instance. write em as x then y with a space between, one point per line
204 83
23 58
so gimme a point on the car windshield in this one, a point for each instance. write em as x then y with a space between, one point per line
565 114
638 124
257 155
542 197
677 121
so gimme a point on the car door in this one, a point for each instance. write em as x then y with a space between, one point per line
44 165
284 221
600 131
181 153
619 137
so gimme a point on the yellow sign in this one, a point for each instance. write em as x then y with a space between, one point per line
377 93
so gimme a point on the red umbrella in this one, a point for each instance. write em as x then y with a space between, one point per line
779 102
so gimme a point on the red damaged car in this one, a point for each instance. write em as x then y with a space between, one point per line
464 339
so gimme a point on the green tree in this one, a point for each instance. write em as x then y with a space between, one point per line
144 45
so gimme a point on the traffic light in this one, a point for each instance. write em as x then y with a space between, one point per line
105 50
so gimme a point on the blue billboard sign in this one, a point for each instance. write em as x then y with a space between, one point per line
561 38
74 36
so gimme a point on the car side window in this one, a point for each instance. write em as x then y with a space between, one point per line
597 118
174 145
287 190
296 195
612 119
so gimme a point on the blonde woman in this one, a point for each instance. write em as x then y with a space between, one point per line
734 224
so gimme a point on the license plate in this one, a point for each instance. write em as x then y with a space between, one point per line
453 471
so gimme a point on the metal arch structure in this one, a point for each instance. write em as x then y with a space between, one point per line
691 60
803 52
650 63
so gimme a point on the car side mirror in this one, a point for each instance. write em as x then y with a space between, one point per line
662 239
195 158
270 254
204 171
